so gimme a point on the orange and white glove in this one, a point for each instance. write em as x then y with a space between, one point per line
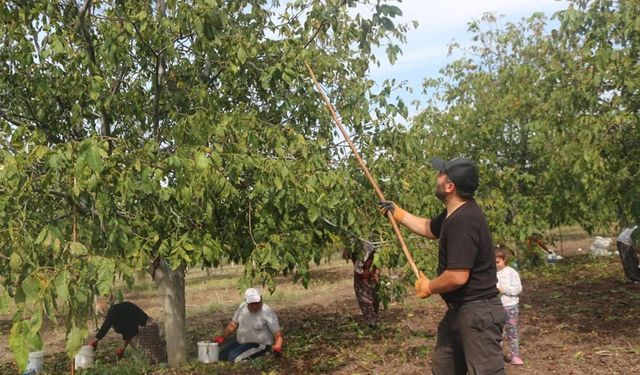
422 286
397 212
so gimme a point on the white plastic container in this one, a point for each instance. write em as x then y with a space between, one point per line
203 351
35 363
85 357
208 351
214 351
553 259
602 242
600 246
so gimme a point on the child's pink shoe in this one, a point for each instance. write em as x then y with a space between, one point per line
515 360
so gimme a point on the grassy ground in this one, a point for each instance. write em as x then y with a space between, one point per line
578 317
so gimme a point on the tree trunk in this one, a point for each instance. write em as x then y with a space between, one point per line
171 286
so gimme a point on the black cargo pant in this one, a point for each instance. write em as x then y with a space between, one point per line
470 339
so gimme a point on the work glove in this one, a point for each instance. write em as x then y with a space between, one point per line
120 352
389 206
219 339
422 286
94 344
277 352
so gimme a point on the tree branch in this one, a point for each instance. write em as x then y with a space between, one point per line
86 34
159 73
250 230
85 30
322 24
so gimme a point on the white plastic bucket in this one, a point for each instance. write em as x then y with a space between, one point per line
35 363
214 351
203 351
85 357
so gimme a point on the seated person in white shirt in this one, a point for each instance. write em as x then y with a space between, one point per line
258 330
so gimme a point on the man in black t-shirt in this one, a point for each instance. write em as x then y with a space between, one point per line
470 334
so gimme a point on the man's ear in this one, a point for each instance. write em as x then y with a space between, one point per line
450 187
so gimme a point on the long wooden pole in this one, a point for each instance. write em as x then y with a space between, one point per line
74 236
365 169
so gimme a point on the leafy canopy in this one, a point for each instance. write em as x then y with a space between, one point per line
182 130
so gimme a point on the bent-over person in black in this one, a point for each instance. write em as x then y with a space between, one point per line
125 318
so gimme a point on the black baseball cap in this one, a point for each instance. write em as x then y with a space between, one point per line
460 171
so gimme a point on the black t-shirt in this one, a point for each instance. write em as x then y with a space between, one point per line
465 242
125 318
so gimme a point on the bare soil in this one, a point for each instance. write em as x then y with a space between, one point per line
580 316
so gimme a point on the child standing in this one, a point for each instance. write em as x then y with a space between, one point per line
510 287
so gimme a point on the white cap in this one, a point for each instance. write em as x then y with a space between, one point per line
252 295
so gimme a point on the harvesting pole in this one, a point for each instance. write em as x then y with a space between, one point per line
364 168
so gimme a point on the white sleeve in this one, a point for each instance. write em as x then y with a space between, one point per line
272 320
236 315
512 284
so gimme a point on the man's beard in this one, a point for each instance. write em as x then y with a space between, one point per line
440 193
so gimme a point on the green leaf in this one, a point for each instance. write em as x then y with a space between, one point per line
202 161
35 342
377 260
50 306
77 249
93 158
4 300
217 160
35 322
387 24
34 338
94 94
241 54
19 298
57 45
61 283
141 15
40 151
81 295
75 338
41 236
15 262
31 287
106 271
313 214
19 345
390 10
